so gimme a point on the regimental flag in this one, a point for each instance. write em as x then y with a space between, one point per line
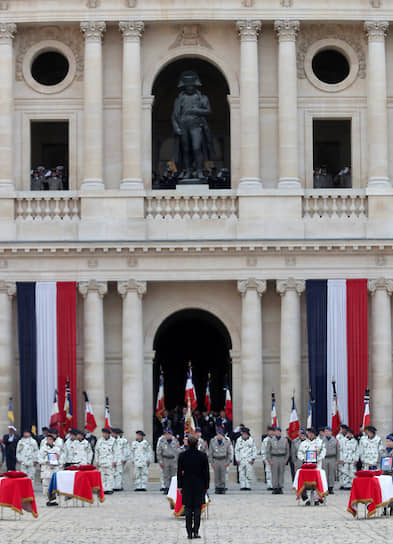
294 425
10 411
190 394
47 348
208 403
228 403
90 420
337 323
309 410
274 411
67 419
336 421
55 417
107 423
189 423
160 404
366 414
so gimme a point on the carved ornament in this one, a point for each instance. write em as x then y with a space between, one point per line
190 35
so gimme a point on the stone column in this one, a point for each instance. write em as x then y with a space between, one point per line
133 358
7 363
93 136
251 354
249 105
290 346
381 355
7 31
378 174
94 354
132 105
287 103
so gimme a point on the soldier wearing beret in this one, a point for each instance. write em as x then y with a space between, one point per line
142 457
167 455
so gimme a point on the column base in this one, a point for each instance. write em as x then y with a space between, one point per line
131 184
379 183
6 186
92 184
289 183
249 185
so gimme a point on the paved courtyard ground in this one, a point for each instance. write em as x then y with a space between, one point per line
253 518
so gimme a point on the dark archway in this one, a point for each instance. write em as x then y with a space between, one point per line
165 91
200 337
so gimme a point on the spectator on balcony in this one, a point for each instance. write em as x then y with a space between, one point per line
343 180
36 181
322 179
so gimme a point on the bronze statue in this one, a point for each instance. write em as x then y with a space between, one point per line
189 120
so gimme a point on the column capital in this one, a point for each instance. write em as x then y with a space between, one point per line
7 32
287 30
376 30
132 30
101 287
291 284
8 288
380 284
125 287
252 283
93 30
249 30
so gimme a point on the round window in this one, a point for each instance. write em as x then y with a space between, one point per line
330 66
50 68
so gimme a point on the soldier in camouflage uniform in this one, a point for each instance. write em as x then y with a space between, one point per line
277 454
295 445
312 443
123 453
167 454
73 450
268 470
348 456
330 462
245 455
220 456
370 449
105 458
27 454
340 438
142 457
85 451
48 464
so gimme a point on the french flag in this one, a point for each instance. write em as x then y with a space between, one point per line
336 420
90 420
208 403
160 404
55 417
107 423
337 324
228 403
366 414
274 411
47 349
190 390
294 425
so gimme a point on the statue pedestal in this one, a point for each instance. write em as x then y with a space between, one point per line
192 186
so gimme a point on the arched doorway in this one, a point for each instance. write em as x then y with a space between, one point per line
165 91
200 337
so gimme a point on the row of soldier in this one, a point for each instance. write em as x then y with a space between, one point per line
48 179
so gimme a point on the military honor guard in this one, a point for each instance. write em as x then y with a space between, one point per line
295 448
73 454
167 455
329 464
371 449
340 438
50 459
245 455
312 443
105 459
220 456
142 457
268 470
27 454
348 457
277 454
202 444
123 455
85 451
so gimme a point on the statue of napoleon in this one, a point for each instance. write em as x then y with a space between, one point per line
189 119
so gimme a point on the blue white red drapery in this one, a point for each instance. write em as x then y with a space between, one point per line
337 325
47 348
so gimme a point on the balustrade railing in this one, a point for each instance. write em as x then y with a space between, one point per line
172 206
335 204
47 206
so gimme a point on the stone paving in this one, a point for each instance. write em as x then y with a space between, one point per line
251 517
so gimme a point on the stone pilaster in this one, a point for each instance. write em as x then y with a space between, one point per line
132 105
249 31
381 355
133 357
93 293
251 354
377 132
93 137
7 365
7 32
290 345
287 31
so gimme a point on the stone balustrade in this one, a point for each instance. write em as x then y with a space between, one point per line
47 206
335 204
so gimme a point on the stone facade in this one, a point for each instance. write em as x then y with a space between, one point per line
242 254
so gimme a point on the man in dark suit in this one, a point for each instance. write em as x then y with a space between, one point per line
193 481
10 441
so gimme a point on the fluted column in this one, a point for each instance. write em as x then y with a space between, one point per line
7 31
249 105
94 354
290 345
133 358
93 137
381 355
7 365
251 354
132 104
287 103
378 172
